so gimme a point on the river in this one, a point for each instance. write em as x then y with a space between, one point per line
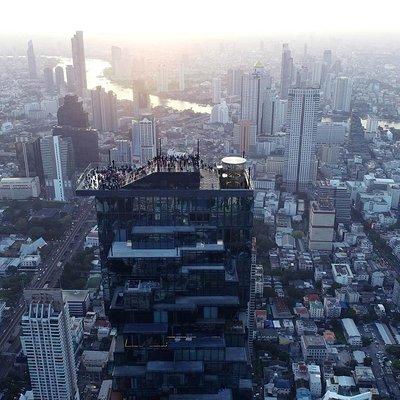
95 77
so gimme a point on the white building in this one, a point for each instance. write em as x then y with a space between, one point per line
92 238
220 113
321 225
335 396
316 310
144 139
19 188
300 161
342 94
122 153
342 273
47 343
314 374
351 332
30 262
216 90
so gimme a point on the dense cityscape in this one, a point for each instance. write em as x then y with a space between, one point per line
210 219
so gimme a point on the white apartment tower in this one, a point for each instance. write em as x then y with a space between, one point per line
255 85
144 146
47 343
342 94
300 159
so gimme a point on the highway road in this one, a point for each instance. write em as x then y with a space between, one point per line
51 270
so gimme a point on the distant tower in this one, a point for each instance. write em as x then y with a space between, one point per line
141 98
144 139
300 160
342 94
244 135
254 89
104 110
327 57
48 77
71 82
234 82
60 79
181 77
163 79
47 343
216 90
116 59
78 59
286 71
31 61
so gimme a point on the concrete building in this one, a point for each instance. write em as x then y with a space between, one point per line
234 82
300 162
351 332
216 90
31 61
47 343
313 348
19 188
78 302
121 153
286 71
315 382
331 133
342 94
220 113
245 136
79 62
321 225
104 110
342 273
144 142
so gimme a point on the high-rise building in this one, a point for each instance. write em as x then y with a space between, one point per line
327 57
245 136
48 77
321 225
181 77
73 123
163 79
141 98
29 158
31 61
274 113
121 154
47 343
303 116
78 59
144 141
220 113
58 167
286 71
71 82
60 78
253 93
116 60
234 82
342 94
104 110
319 72
216 90
176 252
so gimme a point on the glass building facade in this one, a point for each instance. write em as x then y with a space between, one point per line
176 252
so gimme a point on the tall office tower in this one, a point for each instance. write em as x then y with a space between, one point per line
321 225
78 59
302 76
181 77
339 194
104 110
244 136
163 79
48 78
220 113
281 114
300 160
144 141
116 61
176 253
253 93
270 124
47 343
29 158
121 154
216 90
31 61
286 71
371 128
58 167
141 98
327 57
342 94
60 79
71 82
234 82
319 71
328 87
73 123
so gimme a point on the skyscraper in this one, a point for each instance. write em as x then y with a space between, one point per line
104 110
220 113
141 98
60 79
253 93
303 116
163 79
216 90
181 77
244 135
31 61
286 71
144 142
48 77
327 57
176 253
71 82
58 167
342 94
73 123
78 59
46 342
234 82
116 60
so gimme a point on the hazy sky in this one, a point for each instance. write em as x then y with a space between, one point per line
199 17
